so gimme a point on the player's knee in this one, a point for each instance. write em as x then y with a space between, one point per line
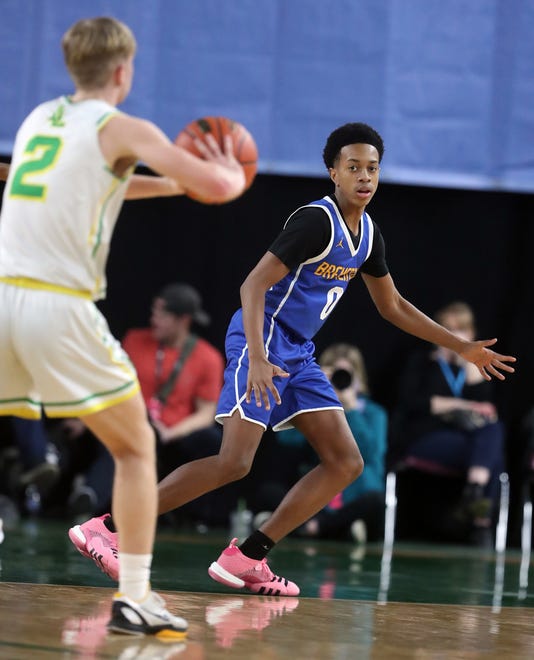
141 445
356 466
347 468
235 468
352 468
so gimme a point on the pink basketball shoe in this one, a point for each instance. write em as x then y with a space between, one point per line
236 570
94 540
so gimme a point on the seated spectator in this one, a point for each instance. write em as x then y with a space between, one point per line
181 377
87 469
358 511
29 463
447 418
526 433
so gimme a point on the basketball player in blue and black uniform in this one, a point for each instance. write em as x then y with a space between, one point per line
272 377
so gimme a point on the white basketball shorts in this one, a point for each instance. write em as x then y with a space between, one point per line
57 353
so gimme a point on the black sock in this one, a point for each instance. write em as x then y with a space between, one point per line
108 522
257 545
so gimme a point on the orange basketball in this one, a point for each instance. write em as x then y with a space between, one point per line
245 149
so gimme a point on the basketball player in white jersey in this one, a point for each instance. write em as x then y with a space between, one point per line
72 166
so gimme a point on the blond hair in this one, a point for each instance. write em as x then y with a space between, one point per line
353 355
461 310
93 47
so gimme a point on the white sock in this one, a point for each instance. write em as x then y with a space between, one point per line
134 575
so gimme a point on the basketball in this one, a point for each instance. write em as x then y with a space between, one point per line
245 149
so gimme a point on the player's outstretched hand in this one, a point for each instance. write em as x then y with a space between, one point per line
489 362
260 382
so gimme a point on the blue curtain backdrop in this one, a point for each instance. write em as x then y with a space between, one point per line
450 85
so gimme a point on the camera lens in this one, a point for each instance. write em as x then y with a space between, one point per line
341 379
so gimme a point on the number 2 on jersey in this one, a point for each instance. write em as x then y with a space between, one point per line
332 298
42 151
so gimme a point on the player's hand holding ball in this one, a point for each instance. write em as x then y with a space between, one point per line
222 140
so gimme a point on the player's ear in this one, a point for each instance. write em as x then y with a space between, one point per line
118 75
333 174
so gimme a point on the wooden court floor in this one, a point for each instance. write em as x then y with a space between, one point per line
411 601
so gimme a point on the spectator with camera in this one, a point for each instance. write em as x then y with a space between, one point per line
358 511
447 417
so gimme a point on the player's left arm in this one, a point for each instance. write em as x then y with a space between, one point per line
4 171
144 186
141 186
398 311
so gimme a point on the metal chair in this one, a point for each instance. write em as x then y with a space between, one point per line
502 521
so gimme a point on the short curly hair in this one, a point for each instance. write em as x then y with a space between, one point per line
353 133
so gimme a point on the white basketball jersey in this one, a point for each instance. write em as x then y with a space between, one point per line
61 200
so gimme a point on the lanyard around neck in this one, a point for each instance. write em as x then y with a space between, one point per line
164 389
160 355
455 382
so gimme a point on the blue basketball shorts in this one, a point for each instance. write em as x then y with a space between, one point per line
306 389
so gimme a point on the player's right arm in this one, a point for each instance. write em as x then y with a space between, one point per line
267 272
304 235
125 140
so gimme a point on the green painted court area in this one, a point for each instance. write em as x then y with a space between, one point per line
40 552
